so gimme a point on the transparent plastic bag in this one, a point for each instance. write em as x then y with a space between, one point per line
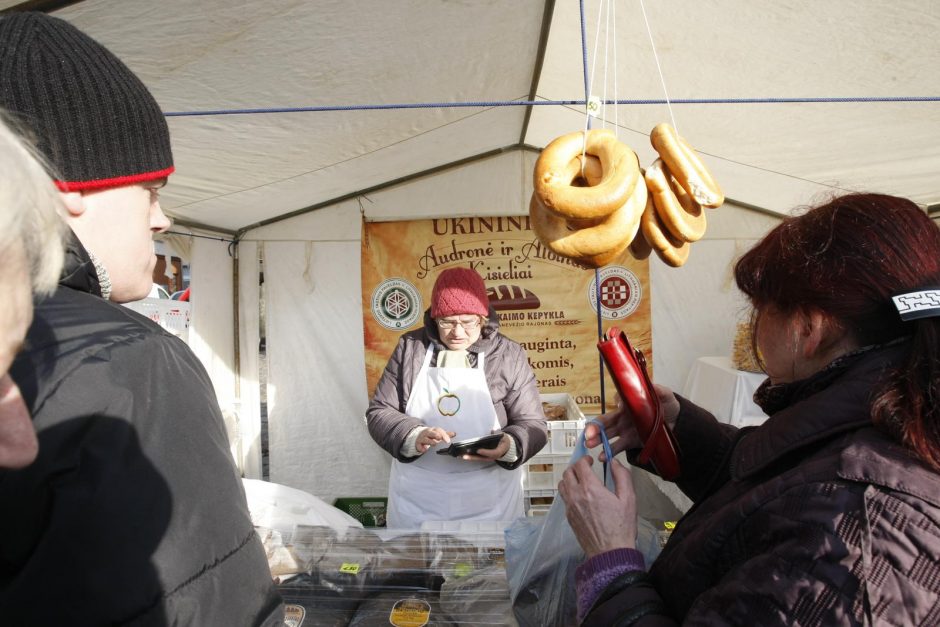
541 558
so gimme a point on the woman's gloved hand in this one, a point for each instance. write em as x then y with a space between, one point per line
432 436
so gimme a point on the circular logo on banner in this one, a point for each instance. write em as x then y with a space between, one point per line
396 304
620 292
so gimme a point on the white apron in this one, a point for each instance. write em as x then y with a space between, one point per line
441 487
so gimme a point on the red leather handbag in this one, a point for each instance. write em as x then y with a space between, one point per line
627 367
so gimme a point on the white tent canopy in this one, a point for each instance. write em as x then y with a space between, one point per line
235 171
315 116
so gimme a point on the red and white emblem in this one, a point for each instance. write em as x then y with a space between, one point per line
620 292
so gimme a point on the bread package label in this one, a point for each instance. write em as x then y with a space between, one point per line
410 613
294 615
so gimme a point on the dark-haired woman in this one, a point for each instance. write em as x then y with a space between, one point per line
829 512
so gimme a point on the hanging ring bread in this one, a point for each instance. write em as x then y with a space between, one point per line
685 165
585 171
677 210
592 243
552 182
670 249
639 247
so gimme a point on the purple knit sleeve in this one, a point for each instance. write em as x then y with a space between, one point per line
595 574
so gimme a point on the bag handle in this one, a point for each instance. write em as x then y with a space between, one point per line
608 476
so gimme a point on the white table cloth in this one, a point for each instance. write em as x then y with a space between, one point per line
713 383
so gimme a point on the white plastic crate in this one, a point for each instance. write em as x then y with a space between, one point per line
563 434
543 472
172 315
538 510
538 501
567 401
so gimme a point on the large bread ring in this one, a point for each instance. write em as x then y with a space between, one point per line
552 181
639 247
586 175
669 248
590 243
686 166
678 211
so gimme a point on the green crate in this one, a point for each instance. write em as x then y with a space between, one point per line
370 511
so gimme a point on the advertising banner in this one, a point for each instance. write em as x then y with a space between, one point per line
545 302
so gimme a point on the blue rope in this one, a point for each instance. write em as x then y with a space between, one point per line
584 60
608 473
597 274
537 103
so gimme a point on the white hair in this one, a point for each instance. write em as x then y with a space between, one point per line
31 211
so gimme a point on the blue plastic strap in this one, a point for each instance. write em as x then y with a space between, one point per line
608 477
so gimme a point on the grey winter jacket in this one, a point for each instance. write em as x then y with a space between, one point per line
813 518
508 375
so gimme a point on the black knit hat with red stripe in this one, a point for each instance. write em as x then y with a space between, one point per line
93 119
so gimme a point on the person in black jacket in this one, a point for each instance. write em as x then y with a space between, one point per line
828 513
133 511
31 258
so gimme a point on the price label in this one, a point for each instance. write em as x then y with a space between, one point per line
462 569
594 106
352 569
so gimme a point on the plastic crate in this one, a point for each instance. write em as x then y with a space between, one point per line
538 510
537 502
567 401
370 511
543 472
563 434
172 315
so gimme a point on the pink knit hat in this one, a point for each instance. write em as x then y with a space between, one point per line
459 291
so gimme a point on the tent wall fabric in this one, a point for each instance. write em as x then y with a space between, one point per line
249 361
316 401
212 332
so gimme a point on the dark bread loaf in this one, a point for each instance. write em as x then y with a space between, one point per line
504 297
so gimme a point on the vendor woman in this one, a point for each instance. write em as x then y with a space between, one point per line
456 378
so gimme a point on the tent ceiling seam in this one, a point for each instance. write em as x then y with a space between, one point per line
381 186
548 15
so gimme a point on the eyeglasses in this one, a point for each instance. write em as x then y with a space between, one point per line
467 325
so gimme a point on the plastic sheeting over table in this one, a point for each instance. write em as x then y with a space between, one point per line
362 577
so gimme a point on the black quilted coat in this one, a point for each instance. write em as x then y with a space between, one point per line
813 518
133 513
